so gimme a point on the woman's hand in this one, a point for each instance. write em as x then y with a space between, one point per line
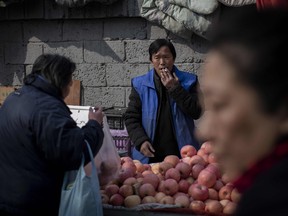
96 114
147 149
169 80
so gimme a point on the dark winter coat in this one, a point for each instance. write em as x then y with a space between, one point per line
39 141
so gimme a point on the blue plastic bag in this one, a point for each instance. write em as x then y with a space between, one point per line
80 195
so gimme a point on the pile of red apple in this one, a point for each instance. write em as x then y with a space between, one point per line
193 182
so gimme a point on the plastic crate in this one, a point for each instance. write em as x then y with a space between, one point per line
115 118
122 142
123 145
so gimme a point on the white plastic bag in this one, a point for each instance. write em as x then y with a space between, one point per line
107 160
80 194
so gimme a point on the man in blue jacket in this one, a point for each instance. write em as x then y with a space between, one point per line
162 108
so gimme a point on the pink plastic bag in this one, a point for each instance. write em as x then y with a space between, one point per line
107 160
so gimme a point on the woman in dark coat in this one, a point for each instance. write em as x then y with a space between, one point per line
245 88
39 140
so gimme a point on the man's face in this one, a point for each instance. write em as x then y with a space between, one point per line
162 59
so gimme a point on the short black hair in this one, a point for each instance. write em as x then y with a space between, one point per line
56 69
157 44
256 43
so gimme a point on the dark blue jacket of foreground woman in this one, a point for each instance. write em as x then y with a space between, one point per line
39 141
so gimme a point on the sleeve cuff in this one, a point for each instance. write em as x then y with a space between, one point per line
139 142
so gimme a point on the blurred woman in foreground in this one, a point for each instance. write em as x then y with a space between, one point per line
245 88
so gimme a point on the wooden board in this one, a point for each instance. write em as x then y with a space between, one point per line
4 92
74 97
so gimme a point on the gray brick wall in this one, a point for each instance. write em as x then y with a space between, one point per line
109 45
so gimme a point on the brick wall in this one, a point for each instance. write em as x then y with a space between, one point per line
109 44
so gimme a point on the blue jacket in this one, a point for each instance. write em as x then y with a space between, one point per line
183 124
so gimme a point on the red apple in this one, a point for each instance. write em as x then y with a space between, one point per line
140 167
170 187
226 178
224 202
130 165
196 169
197 206
207 178
136 161
126 190
173 173
218 185
163 167
183 201
230 208
159 196
201 152
205 157
213 206
138 175
147 166
190 180
184 186
214 168
155 168
125 174
180 194
188 151
207 146
132 201
147 172
213 194
167 200
116 200
146 189
152 179
186 160
225 192
235 195
126 159
148 199
197 159
212 158
198 192
172 159
111 189
184 169
130 181
230 184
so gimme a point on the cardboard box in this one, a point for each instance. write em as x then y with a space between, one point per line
74 97
4 92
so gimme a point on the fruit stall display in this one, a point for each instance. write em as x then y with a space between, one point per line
193 183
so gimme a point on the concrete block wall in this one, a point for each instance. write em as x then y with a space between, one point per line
109 44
